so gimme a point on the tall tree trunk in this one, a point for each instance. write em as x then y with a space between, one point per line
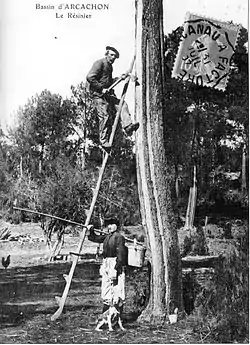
83 158
41 156
21 166
56 248
189 222
153 175
177 187
243 170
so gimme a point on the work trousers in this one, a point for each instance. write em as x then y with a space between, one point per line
113 285
107 107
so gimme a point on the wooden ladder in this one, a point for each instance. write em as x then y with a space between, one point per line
68 277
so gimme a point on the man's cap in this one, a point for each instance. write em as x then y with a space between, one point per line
111 220
114 50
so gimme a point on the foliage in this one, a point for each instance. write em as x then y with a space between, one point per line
139 289
5 172
204 126
54 155
66 193
195 243
42 132
236 197
86 119
118 196
222 306
24 193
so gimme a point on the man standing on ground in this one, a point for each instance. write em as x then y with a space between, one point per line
106 103
115 257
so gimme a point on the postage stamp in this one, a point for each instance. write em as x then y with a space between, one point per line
205 52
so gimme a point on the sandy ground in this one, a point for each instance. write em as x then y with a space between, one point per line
29 286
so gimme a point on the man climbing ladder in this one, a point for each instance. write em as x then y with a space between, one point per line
68 277
105 101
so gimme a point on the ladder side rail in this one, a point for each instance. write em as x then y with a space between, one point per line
69 277
124 91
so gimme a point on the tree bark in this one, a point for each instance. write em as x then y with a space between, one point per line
56 248
189 222
21 166
243 170
154 178
41 157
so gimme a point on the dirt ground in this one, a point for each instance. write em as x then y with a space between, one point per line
27 298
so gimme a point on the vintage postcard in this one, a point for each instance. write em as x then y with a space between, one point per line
124 158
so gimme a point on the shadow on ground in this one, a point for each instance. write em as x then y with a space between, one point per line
27 301
26 292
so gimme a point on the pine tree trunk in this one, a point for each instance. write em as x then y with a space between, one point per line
154 178
243 170
56 249
41 157
189 223
21 166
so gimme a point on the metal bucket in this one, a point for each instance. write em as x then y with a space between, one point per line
136 255
172 318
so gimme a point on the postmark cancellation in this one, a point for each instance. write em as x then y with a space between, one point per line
205 52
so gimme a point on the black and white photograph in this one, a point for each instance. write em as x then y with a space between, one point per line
124 172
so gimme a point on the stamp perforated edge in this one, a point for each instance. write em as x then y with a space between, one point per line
238 27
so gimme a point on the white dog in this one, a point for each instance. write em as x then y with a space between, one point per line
110 317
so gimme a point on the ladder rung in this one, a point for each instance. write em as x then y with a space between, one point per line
77 254
60 257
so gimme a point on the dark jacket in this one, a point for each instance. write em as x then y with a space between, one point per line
100 77
113 246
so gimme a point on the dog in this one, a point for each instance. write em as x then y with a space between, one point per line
110 317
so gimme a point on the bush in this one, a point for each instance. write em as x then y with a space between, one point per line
195 244
66 195
25 194
236 197
138 289
119 196
5 186
222 306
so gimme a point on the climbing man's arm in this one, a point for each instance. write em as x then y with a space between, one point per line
94 74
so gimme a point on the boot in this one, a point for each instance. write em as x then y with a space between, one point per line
131 128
